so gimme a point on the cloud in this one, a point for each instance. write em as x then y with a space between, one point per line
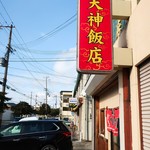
67 67
64 80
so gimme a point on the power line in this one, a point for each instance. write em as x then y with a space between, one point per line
38 51
66 23
28 51
22 40
25 77
55 75
54 31
46 60
17 91
6 11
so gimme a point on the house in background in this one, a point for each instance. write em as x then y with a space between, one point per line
7 116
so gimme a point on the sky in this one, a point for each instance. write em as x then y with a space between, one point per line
44 41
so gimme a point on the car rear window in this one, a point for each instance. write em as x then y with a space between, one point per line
63 126
49 126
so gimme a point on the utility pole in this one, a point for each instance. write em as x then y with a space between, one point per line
36 101
46 92
56 101
6 70
46 96
7 59
31 99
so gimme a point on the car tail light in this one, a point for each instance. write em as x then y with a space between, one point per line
67 133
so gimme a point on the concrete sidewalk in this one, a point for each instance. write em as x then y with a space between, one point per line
83 145
79 144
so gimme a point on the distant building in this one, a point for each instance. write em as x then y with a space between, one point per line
65 110
7 115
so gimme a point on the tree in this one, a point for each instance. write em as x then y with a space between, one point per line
22 108
3 98
2 102
45 109
54 112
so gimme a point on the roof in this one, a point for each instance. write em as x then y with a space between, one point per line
11 104
29 118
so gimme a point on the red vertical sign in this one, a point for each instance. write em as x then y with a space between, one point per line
94 36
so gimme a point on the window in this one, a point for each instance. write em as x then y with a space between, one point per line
66 109
66 98
31 127
102 121
50 127
12 130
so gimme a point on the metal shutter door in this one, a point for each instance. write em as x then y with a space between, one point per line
144 74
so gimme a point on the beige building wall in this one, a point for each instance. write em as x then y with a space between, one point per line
83 123
136 36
